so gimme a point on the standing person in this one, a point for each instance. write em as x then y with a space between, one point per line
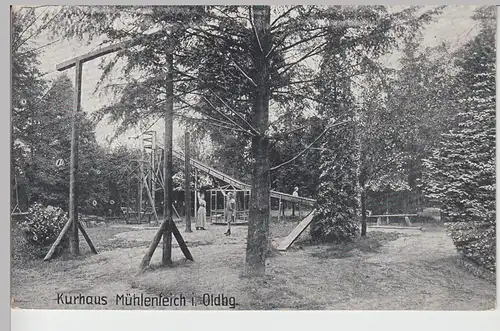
230 212
202 213
295 194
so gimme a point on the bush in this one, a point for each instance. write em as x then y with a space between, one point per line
21 249
42 225
476 241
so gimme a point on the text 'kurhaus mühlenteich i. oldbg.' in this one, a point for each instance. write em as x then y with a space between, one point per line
143 300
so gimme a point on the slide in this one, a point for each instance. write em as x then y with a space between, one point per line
288 241
238 184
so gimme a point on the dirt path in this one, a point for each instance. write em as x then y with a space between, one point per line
417 271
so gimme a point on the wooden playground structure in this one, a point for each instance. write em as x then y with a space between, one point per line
144 178
144 175
151 173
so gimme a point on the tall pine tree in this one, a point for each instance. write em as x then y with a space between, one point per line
461 172
336 217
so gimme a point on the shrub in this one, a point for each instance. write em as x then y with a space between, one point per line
476 241
42 225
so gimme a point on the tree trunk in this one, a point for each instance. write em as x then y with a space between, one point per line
195 193
141 180
168 166
187 183
13 160
363 211
258 224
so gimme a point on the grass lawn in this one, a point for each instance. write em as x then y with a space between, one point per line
387 270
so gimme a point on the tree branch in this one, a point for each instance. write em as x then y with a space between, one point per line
235 112
309 54
244 74
207 121
227 117
210 36
295 20
31 24
286 13
284 134
300 96
307 147
223 124
38 48
298 82
37 31
253 28
227 15
301 41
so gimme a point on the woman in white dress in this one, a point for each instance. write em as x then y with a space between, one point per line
202 213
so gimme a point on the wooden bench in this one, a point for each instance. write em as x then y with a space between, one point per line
387 216
138 214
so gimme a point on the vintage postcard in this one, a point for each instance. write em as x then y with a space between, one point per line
253 157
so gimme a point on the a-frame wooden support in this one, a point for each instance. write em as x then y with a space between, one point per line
156 240
61 236
167 224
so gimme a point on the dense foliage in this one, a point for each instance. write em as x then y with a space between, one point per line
461 172
27 90
41 131
336 219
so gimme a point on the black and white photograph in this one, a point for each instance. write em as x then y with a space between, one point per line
253 157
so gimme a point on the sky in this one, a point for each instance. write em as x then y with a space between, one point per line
454 26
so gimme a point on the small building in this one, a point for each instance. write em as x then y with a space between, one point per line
218 202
